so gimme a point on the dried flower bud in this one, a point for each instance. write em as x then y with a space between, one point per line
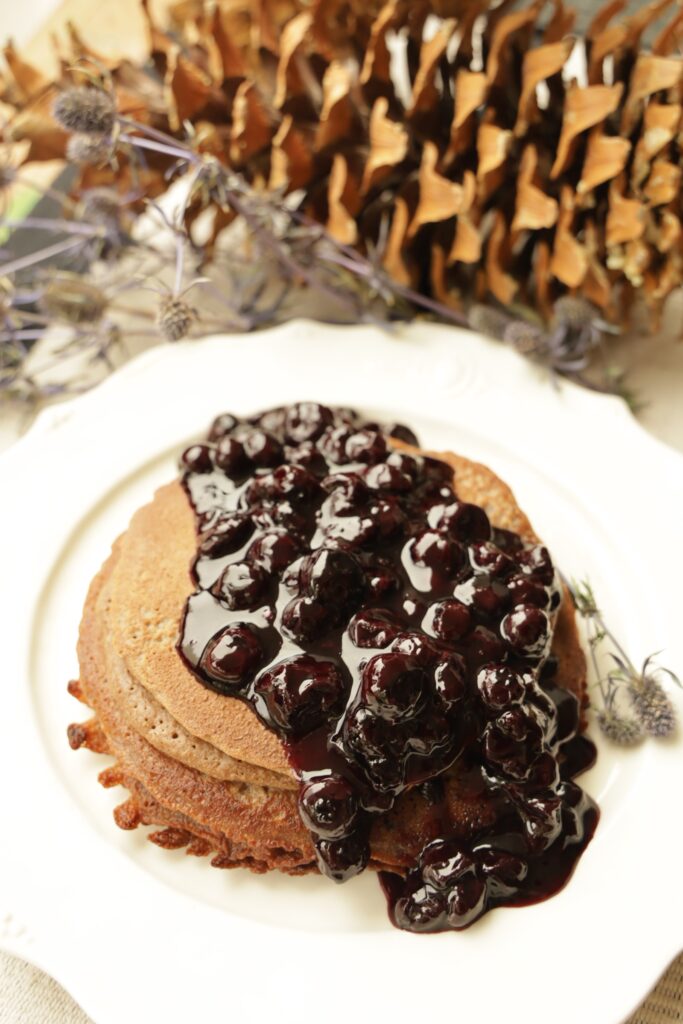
70 298
524 337
175 318
488 320
652 707
624 731
85 109
574 312
100 206
89 149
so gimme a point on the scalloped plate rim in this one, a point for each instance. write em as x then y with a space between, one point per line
605 410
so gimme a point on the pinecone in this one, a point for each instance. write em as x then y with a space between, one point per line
453 131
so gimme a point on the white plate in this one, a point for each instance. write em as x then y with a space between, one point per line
137 933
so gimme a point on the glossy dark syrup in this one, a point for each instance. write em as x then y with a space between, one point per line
388 635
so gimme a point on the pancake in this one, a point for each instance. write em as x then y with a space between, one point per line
204 768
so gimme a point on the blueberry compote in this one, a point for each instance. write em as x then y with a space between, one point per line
391 637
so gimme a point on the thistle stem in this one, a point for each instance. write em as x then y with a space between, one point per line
26 335
67 245
154 133
159 147
66 227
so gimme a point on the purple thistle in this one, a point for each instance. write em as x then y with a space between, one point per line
624 731
652 706
85 109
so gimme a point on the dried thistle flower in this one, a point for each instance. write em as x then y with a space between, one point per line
624 731
89 149
574 312
526 338
652 706
175 318
85 109
488 320
103 208
71 299
100 206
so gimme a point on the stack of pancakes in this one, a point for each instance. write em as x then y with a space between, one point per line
202 766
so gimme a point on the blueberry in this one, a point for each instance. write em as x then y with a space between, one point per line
376 745
465 522
382 579
527 590
429 735
230 457
334 578
542 815
450 680
500 686
197 459
466 901
449 620
227 534
350 532
490 559
394 686
286 483
444 862
366 446
418 648
383 477
544 772
241 585
301 693
537 561
273 552
501 865
304 620
272 421
332 444
349 493
527 629
488 595
513 741
342 414
483 646
279 516
307 456
306 421
222 425
434 550
262 448
421 911
341 859
401 433
520 723
328 806
389 518
373 628
232 656
407 464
